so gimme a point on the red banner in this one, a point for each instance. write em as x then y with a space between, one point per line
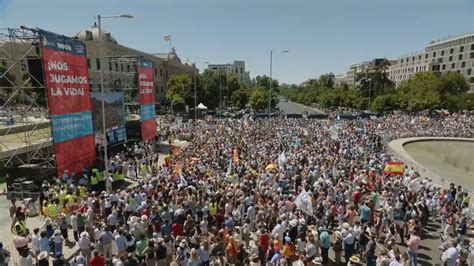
71 156
67 84
146 86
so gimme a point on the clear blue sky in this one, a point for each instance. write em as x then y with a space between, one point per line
322 36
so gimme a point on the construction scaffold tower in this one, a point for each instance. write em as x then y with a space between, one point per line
25 128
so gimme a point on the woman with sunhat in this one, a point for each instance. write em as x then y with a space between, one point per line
337 247
354 261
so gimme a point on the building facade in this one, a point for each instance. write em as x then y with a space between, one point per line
237 68
350 78
454 54
119 64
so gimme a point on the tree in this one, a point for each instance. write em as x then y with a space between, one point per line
327 80
180 87
264 81
420 92
232 83
384 103
239 98
453 83
376 82
258 98
178 104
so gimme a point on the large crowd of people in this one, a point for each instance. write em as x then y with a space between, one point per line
257 192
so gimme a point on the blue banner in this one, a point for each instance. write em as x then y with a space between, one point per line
71 126
147 111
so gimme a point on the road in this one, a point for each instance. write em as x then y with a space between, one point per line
289 107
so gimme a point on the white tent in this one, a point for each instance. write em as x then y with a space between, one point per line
202 106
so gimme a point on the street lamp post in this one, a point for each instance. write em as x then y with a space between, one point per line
101 74
271 81
195 97
195 88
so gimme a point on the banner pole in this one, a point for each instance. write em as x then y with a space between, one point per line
104 130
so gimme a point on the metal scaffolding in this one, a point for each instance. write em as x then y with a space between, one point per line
25 128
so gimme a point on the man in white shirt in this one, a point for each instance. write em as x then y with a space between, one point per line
348 240
450 256
279 230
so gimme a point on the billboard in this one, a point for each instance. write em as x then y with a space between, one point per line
115 117
146 87
67 84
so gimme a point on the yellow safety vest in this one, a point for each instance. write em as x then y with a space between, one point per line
101 176
52 210
61 198
143 169
94 180
118 177
19 228
95 171
70 198
213 208
82 191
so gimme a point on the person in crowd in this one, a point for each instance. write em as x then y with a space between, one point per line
257 191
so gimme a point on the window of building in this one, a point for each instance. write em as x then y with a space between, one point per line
440 60
88 63
443 67
451 51
402 60
469 71
453 65
460 57
116 67
472 79
97 62
472 46
121 67
128 68
450 58
442 53
461 49
156 74
463 64
471 55
110 66
413 59
166 72
161 72
434 54
408 59
426 56
241 70
156 88
419 57
236 70
162 89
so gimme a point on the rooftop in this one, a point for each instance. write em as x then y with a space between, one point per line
450 38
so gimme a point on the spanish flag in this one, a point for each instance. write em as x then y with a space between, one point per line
393 168
236 156
177 170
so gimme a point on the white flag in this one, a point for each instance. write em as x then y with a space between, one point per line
229 169
182 181
282 159
303 203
